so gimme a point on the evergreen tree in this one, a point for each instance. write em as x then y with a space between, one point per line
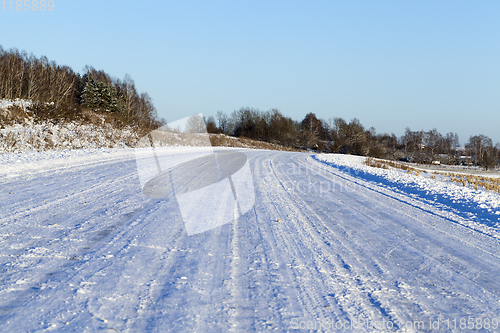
100 96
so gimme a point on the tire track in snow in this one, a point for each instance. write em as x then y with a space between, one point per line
332 257
106 268
357 277
57 238
346 285
429 252
311 290
281 254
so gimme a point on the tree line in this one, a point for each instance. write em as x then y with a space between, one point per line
339 136
67 94
43 81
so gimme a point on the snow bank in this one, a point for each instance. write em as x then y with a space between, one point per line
473 205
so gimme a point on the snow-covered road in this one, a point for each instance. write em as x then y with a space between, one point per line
82 249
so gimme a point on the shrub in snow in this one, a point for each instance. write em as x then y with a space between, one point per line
22 130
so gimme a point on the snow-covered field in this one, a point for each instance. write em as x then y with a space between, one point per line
330 245
459 169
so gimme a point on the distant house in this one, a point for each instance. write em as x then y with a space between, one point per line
466 160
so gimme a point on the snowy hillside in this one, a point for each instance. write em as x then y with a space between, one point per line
329 245
27 133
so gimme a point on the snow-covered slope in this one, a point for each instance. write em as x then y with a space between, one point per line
6 103
29 134
328 246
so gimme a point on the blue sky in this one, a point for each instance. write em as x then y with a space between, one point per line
391 64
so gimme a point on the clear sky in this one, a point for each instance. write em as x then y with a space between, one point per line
391 64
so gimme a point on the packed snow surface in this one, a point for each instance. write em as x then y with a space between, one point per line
330 245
